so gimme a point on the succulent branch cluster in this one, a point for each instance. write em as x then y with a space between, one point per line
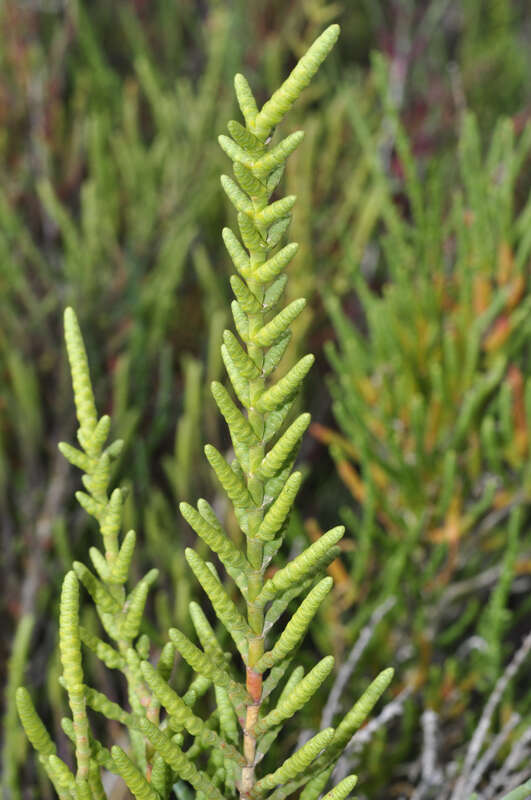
218 757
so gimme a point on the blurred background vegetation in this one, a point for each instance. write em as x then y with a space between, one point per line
414 224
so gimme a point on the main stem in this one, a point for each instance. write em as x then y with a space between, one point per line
255 548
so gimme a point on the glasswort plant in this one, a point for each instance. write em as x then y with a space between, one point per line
170 746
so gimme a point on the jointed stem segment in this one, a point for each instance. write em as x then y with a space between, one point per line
262 488
253 359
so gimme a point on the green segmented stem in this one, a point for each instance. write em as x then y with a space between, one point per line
70 647
261 485
258 482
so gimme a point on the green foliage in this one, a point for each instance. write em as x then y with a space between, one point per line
94 213
110 202
432 402
13 750
262 491
492 61
451 405
430 386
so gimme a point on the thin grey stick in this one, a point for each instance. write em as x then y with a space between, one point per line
486 717
490 754
431 774
502 779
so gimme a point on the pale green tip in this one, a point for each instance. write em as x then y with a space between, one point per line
331 35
